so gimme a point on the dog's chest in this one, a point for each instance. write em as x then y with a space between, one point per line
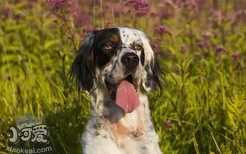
130 124
129 132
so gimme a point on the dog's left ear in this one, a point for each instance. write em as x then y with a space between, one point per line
152 80
83 69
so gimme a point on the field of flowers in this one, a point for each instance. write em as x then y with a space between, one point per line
201 45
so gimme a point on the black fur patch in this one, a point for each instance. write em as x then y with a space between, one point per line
102 56
92 54
142 57
154 76
96 133
82 68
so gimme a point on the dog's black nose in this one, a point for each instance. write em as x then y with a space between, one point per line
130 60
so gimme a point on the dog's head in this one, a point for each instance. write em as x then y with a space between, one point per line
110 56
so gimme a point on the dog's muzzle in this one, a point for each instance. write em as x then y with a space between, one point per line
130 60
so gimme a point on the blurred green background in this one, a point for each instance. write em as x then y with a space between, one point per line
201 45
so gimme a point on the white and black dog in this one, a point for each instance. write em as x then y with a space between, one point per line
117 67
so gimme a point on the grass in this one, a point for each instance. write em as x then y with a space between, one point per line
201 47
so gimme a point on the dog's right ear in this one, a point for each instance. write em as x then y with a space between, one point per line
83 69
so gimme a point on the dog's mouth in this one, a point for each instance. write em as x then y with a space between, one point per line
124 93
112 88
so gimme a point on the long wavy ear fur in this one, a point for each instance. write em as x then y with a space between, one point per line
83 69
154 76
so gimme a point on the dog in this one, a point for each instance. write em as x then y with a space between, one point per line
117 67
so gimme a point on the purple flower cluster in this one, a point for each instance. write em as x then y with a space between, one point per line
6 11
220 48
202 43
235 56
141 6
183 48
241 14
160 29
80 18
57 5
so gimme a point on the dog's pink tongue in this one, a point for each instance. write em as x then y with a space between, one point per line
126 97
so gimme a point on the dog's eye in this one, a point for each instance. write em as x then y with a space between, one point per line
107 47
137 47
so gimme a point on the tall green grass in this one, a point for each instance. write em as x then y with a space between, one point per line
202 53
